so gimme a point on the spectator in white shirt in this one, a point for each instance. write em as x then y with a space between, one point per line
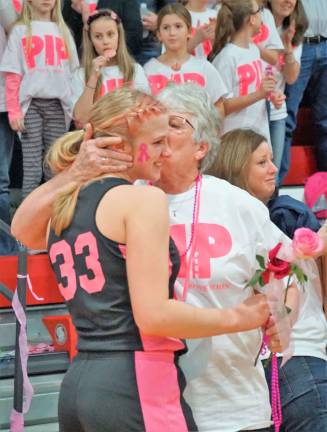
313 80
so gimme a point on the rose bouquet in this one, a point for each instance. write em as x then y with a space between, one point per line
283 262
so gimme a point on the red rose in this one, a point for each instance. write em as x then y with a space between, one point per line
279 267
266 276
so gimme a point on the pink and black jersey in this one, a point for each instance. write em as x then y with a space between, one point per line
131 380
91 274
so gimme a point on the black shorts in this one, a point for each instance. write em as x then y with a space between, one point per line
124 392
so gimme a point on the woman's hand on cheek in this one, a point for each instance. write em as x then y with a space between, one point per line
97 156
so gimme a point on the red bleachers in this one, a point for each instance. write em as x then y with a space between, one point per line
41 276
303 161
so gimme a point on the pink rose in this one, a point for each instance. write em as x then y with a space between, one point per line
306 243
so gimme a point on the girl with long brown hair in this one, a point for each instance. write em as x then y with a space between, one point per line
238 61
106 63
292 23
245 160
176 64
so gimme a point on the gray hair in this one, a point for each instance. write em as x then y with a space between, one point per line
192 99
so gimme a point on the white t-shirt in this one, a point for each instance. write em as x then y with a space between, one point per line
45 69
268 37
309 334
3 43
241 70
112 78
316 11
198 20
278 114
9 11
195 70
229 394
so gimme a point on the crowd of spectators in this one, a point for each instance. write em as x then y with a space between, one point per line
256 85
255 59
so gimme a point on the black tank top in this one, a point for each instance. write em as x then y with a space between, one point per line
91 274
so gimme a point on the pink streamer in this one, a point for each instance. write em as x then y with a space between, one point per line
17 420
40 348
30 287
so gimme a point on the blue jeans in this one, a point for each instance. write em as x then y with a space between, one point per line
277 137
270 429
313 74
147 54
303 390
7 245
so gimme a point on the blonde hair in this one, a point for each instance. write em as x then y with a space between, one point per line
125 62
236 148
175 9
118 113
26 18
230 20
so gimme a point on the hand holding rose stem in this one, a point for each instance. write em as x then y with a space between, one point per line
280 264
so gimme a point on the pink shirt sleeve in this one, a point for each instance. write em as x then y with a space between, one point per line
13 81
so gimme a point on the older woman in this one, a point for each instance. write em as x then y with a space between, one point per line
218 230
245 159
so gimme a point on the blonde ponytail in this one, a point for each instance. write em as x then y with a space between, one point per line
60 156
118 113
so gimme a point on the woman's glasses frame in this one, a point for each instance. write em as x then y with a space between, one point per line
184 121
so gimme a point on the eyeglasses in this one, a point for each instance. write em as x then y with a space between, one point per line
178 123
260 9
103 13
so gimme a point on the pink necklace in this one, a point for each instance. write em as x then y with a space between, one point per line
188 254
198 182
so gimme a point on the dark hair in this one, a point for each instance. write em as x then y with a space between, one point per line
301 21
175 9
230 19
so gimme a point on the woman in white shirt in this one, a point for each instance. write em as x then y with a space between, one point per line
245 160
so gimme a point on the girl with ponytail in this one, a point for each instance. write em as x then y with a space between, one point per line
238 61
